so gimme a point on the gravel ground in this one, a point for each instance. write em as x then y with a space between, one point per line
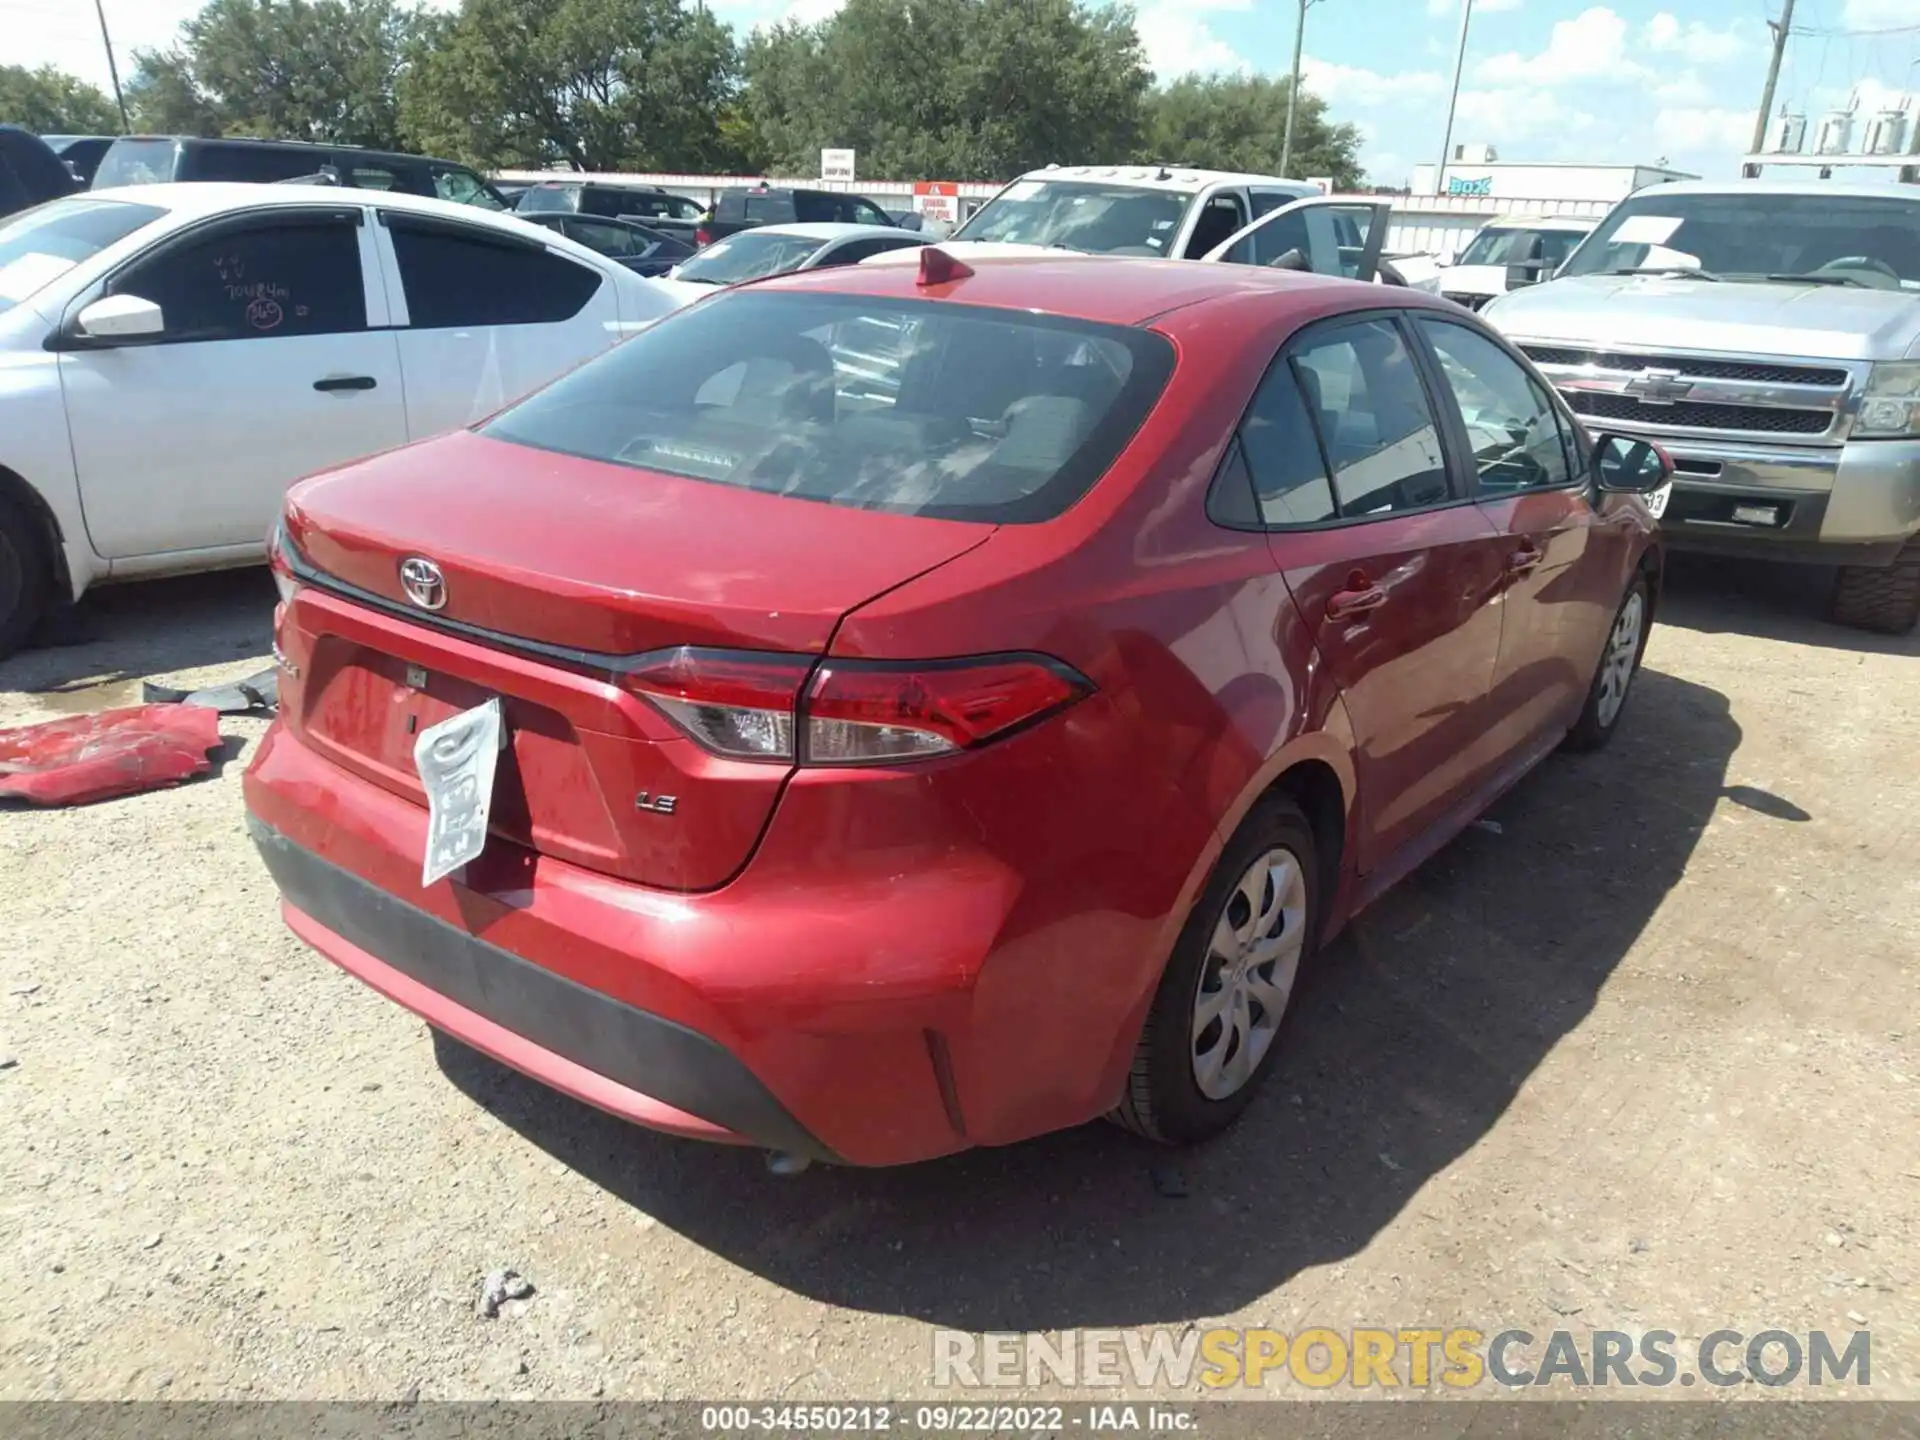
1642 1054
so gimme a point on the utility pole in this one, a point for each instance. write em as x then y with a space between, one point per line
1453 99
113 69
1293 90
1779 29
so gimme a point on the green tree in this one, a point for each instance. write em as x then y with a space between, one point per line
960 88
1237 123
51 102
597 84
287 69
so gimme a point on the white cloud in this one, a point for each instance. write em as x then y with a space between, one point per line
1698 43
1355 85
1685 128
1592 45
1442 8
1178 40
1879 14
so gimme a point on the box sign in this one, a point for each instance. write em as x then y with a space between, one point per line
1460 185
836 165
937 200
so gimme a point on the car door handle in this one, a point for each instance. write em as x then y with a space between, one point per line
1345 604
345 382
1522 561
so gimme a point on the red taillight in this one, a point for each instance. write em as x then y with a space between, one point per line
868 714
702 236
734 703
749 705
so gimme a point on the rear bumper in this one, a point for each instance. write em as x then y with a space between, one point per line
579 1041
865 994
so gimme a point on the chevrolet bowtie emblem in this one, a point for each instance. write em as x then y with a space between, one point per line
1659 387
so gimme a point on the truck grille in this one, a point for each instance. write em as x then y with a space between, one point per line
1759 419
1688 365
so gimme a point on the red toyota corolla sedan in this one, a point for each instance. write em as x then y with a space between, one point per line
898 708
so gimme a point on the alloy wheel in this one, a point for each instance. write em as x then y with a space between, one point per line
1623 651
1248 976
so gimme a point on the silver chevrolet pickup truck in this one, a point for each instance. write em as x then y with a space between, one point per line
1767 336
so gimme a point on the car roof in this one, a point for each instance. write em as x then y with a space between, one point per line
1854 189
1106 289
197 199
257 142
1163 177
824 230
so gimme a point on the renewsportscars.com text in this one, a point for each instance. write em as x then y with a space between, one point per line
1457 1358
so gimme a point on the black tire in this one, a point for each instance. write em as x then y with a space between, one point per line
1883 600
1596 725
23 577
1164 1101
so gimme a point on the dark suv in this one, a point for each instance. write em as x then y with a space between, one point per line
657 209
751 206
157 159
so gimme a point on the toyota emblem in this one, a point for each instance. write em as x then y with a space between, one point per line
423 582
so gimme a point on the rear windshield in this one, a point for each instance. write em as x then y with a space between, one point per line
136 162
1100 219
748 256
1517 247
39 245
919 407
549 198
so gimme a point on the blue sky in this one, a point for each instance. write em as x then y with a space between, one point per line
1621 82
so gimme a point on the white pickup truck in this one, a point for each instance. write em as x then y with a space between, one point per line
1766 334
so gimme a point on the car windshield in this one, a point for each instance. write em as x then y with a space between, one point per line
550 198
749 256
1837 239
1514 247
136 162
919 407
38 246
1100 219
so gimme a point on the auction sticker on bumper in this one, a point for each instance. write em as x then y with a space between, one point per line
456 760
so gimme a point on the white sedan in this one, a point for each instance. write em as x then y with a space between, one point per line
172 357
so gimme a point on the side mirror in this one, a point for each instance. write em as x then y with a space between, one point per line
119 317
1291 260
1526 272
1630 466
910 221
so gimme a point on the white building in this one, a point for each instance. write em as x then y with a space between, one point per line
1477 172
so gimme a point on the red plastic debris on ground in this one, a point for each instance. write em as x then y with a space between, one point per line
116 752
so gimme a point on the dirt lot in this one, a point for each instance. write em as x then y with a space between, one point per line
1646 1055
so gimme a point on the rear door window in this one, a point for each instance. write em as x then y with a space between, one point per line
778 210
924 408
1375 425
458 276
259 280
252 164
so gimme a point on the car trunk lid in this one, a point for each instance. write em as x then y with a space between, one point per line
556 571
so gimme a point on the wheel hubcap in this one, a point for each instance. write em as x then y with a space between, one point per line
1248 976
1623 649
